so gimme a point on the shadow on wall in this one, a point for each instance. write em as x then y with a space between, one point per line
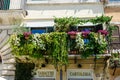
0 67
0 59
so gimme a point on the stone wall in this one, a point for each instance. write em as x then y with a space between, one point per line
8 61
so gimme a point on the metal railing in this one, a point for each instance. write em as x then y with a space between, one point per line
11 4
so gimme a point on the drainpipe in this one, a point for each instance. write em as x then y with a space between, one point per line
60 74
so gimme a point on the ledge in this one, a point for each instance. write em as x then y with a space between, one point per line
58 3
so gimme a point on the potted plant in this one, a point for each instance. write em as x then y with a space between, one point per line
38 45
66 24
72 34
96 44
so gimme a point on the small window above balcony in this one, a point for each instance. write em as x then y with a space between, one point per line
114 0
11 4
114 3
4 4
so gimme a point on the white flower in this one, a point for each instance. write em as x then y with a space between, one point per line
14 40
79 41
38 41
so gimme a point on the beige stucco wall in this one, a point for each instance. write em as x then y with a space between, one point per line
87 64
113 11
49 11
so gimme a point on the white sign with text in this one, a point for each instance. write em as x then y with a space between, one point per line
80 74
51 74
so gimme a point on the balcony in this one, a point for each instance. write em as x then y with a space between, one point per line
11 4
61 1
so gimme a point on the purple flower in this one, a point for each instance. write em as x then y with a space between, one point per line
85 33
103 32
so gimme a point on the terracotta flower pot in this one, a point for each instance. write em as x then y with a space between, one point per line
73 52
72 36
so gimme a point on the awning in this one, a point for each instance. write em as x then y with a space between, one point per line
50 23
40 24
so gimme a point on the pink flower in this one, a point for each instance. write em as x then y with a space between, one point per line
72 32
103 32
85 33
26 35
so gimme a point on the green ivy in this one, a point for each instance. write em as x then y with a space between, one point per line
59 51
64 24
52 44
95 46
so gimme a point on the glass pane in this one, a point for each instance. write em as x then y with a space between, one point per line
40 31
4 4
50 29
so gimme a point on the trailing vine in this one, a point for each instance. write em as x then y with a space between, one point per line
38 45
59 48
64 24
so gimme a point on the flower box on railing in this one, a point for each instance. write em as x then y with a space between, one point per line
73 52
72 34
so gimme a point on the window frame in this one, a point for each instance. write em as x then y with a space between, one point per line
46 29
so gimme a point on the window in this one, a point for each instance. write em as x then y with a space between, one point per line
94 28
41 30
4 4
113 0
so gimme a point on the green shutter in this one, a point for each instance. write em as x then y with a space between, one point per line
6 4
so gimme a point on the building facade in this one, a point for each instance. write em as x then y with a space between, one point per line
39 14
10 13
112 8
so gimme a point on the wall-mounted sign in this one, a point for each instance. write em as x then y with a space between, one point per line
45 75
81 74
